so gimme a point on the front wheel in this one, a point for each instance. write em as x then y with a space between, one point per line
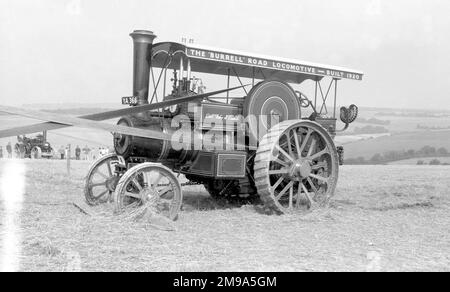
151 186
101 180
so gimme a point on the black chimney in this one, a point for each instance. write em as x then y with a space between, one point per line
143 41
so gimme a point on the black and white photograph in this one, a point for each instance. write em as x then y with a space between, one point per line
204 138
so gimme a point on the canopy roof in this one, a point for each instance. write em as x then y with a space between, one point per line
222 61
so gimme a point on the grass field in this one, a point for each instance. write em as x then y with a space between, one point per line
383 218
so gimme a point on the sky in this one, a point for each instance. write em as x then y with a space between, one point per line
79 51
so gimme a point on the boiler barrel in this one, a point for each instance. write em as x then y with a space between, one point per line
154 149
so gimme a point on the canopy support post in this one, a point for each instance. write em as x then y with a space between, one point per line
228 84
165 82
315 93
234 70
335 96
253 76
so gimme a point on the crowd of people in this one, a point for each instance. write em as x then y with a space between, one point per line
85 153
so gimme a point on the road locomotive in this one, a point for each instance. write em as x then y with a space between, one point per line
258 141
268 144
34 148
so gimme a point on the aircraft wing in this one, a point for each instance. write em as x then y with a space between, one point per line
53 124
61 120
31 129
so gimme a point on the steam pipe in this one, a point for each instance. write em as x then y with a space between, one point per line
189 69
181 69
142 58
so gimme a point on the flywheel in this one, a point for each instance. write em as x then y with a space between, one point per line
296 166
268 103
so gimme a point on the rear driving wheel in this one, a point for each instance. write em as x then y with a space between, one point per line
296 167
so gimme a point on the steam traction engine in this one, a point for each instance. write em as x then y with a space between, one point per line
34 148
272 143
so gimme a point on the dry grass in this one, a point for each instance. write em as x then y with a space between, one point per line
382 218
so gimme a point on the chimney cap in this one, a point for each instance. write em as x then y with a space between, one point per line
145 36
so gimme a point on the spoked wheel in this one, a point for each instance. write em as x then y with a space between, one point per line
36 153
152 186
296 166
101 180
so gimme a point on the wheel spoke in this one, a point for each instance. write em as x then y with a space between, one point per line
311 201
317 155
101 194
162 192
312 147
297 144
279 161
93 185
299 195
109 168
289 145
284 153
286 188
275 186
318 177
319 166
291 197
132 195
136 183
312 185
308 134
278 171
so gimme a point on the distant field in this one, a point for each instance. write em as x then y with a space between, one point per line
405 141
413 161
404 123
383 218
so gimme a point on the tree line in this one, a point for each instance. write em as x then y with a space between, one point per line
370 130
373 121
421 127
391 156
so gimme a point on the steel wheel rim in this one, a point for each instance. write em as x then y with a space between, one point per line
101 180
151 186
291 181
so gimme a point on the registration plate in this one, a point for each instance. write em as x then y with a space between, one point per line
131 100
